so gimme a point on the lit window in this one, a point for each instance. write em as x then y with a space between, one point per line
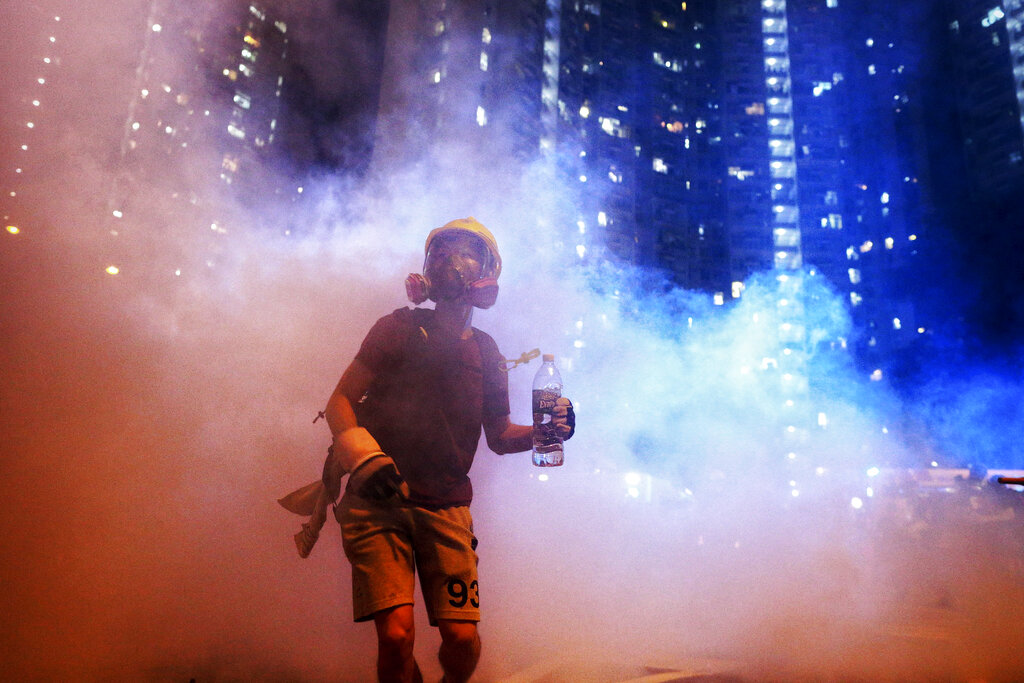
483 61
485 37
602 218
613 127
481 116
854 274
668 63
659 165
719 299
866 247
235 131
856 299
242 100
994 15
889 242
245 69
439 27
740 173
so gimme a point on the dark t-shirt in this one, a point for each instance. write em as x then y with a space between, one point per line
428 400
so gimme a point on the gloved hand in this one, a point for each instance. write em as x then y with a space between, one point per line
564 418
372 474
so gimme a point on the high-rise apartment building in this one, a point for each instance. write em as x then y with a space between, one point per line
987 37
639 134
32 126
984 58
461 73
204 113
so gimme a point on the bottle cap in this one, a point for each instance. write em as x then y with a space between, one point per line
549 357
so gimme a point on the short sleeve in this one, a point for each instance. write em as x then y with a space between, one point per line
381 349
495 394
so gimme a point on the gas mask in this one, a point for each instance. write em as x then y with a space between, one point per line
451 272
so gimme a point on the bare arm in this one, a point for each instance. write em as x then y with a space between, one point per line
353 384
505 437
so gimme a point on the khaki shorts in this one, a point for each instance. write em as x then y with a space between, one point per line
387 545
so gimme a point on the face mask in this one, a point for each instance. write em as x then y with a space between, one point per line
450 284
450 276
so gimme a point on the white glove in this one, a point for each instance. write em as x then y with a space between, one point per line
372 474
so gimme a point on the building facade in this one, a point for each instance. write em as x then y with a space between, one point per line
203 117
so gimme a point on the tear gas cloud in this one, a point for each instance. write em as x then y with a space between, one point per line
150 423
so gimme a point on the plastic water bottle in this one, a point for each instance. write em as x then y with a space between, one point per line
547 388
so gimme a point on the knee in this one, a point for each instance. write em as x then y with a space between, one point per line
395 632
461 636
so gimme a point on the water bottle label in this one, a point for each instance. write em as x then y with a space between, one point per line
543 404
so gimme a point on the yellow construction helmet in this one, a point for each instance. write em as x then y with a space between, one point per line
473 227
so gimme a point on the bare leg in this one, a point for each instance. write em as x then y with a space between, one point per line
460 649
395 636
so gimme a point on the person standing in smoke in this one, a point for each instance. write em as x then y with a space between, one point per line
406 418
